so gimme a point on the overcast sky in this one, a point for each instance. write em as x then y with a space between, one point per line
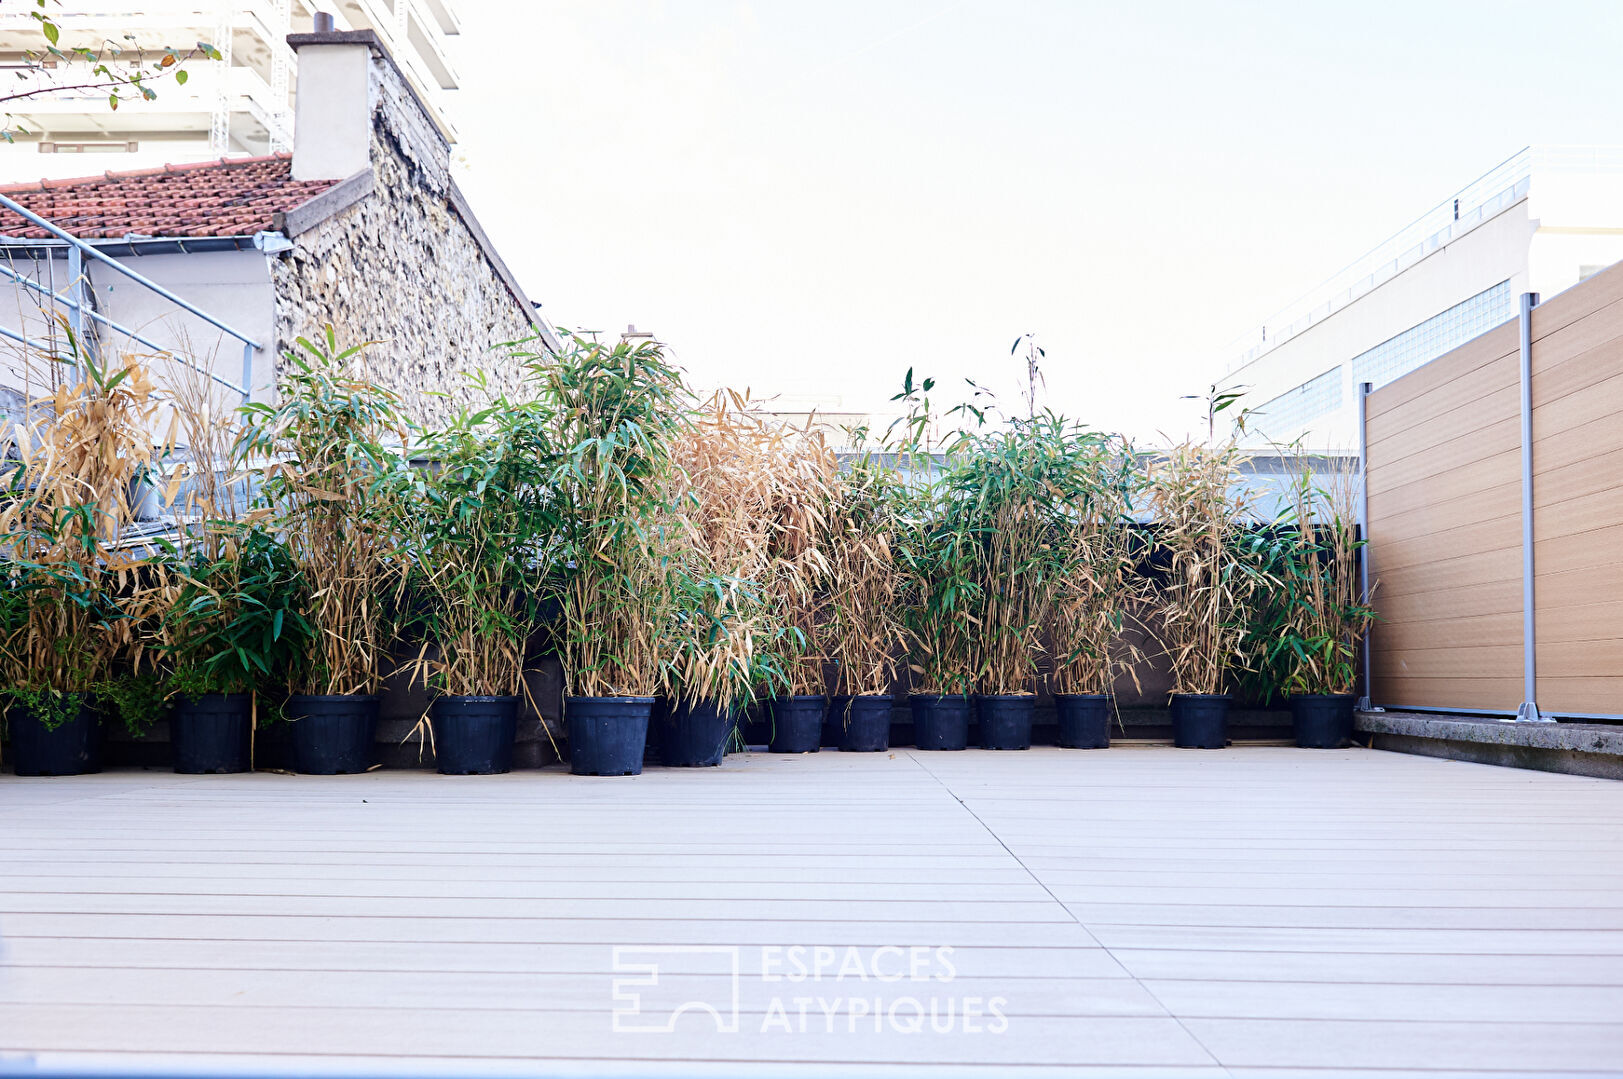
810 197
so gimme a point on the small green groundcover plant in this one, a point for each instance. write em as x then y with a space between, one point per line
238 622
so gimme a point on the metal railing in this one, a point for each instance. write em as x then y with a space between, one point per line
1498 189
74 298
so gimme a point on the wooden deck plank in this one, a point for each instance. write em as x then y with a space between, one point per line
1228 968
1391 1002
1480 1046
115 987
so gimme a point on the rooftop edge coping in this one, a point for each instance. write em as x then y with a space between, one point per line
1601 738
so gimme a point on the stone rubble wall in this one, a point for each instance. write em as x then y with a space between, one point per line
403 269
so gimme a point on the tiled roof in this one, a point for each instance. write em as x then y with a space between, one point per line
233 197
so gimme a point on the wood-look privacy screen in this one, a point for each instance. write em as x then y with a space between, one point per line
1445 524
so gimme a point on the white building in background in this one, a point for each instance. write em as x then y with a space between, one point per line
1540 222
241 107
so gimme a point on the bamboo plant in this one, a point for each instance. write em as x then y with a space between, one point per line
1016 487
798 578
331 463
863 632
236 618
476 532
940 555
1099 584
1202 516
740 500
938 549
233 618
1312 612
76 588
609 417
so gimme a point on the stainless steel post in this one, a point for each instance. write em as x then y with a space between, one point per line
1529 711
1366 702
76 311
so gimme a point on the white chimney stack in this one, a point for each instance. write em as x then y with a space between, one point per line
332 112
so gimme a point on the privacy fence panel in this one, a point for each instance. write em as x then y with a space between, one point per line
1577 383
1444 475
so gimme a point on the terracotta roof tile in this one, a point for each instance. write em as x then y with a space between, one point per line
233 197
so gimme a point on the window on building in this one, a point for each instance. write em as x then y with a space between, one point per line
1441 333
89 147
1286 415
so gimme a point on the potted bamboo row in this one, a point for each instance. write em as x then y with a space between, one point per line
797 582
1313 615
475 529
939 553
74 599
609 416
699 556
863 630
232 625
1017 488
1098 588
721 618
1201 515
330 457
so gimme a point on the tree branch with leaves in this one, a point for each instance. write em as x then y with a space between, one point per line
102 76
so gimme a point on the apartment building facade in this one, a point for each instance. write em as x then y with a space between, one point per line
241 107
1541 221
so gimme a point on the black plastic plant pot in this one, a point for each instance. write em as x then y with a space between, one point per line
694 734
72 748
865 724
797 723
1322 720
332 735
607 735
1084 720
940 721
1200 720
473 736
212 734
1006 720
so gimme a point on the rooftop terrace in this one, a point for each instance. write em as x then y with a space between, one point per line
1191 913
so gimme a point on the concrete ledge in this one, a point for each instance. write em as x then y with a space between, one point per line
1585 749
335 200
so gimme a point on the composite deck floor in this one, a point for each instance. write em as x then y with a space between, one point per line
1200 913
